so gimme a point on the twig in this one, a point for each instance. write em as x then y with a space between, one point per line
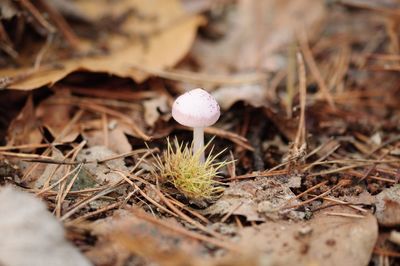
106 137
385 252
50 160
61 194
304 193
93 213
151 200
86 201
188 209
61 24
349 215
29 146
300 139
172 207
47 188
123 117
235 138
37 16
223 220
341 183
343 203
42 52
303 40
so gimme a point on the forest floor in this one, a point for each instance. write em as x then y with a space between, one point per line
309 92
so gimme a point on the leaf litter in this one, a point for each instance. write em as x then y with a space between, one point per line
310 124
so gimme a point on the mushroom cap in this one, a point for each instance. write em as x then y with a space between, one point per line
196 108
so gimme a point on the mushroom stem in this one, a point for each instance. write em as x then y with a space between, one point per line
198 142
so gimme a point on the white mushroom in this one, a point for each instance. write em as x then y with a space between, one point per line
197 109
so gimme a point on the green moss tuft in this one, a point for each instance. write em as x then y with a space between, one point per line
179 166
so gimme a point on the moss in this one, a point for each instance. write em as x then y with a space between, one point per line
180 167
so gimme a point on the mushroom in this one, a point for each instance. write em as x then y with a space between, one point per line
197 109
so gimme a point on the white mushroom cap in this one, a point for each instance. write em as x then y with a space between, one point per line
196 108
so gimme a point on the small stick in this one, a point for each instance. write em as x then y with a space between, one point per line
155 203
183 206
349 215
37 16
257 174
105 129
316 197
46 189
305 48
110 158
29 146
25 155
235 138
223 220
86 201
61 195
123 117
61 24
172 207
384 252
351 205
305 192
93 213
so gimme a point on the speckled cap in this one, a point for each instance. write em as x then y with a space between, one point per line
196 108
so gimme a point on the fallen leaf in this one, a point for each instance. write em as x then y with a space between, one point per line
53 115
30 235
24 128
256 200
260 30
153 109
51 172
102 171
255 95
324 240
123 233
155 37
117 140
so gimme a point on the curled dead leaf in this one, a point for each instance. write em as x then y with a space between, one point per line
152 37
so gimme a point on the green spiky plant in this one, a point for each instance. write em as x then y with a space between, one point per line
195 180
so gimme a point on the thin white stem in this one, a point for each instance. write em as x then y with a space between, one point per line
198 142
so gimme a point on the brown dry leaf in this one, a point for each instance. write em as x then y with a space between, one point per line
55 116
255 95
256 200
24 128
123 234
117 140
153 109
259 31
102 171
324 240
52 172
154 37
374 4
